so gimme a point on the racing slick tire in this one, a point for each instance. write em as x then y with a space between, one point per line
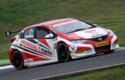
63 53
17 60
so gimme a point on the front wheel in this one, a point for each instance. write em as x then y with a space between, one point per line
63 53
17 60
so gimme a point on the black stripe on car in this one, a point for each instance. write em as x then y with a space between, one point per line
30 51
35 42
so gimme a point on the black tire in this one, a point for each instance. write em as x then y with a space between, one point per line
63 53
17 60
109 52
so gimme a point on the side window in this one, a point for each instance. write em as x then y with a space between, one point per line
29 33
41 32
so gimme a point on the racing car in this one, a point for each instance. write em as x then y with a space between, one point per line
59 40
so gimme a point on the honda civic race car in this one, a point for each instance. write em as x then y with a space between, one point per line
59 41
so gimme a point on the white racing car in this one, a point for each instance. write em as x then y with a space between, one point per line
59 40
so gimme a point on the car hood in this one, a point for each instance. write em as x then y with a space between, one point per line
87 34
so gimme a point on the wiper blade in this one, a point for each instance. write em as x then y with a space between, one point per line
76 30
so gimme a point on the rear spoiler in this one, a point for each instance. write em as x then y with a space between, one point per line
8 33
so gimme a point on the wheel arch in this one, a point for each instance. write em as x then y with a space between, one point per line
62 42
11 53
70 58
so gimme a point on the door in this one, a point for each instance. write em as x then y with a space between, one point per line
45 43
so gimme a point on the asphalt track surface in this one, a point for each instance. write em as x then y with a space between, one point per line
39 72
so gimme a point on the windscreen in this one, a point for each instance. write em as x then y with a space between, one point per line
73 27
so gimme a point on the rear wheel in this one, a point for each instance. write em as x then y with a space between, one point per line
63 53
17 60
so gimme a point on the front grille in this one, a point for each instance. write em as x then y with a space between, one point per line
102 48
98 39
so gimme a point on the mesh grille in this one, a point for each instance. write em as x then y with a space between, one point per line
102 48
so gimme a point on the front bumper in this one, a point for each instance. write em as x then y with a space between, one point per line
90 48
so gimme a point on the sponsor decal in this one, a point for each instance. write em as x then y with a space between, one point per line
64 23
91 31
102 44
80 52
94 33
100 39
97 35
73 48
31 52
34 47
28 60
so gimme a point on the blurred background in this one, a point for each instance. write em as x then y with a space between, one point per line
18 14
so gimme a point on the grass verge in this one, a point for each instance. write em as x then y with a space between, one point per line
112 74
5 64
17 14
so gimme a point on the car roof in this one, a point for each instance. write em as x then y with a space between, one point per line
49 24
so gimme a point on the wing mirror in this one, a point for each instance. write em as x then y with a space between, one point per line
49 36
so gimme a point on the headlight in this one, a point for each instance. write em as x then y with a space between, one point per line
111 33
79 41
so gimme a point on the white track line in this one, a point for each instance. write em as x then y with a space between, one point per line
6 67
